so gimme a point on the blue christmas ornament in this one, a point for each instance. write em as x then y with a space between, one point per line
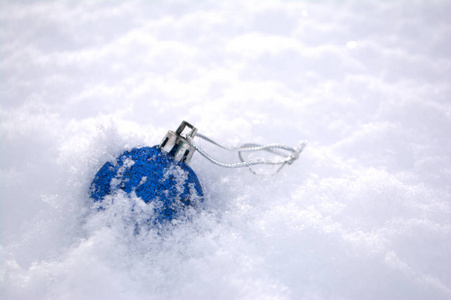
158 174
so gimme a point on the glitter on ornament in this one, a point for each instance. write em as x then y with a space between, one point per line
154 175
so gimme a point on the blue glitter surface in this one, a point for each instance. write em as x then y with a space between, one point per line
153 176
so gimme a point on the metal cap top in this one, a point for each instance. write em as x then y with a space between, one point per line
176 145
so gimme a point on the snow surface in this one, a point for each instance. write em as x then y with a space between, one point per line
365 213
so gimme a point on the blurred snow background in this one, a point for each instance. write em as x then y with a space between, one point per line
365 213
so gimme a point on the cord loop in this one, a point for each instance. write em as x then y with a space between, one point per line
250 147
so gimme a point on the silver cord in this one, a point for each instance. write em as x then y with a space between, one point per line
249 147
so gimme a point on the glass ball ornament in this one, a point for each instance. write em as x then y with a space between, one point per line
159 175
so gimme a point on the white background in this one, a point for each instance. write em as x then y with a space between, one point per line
365 213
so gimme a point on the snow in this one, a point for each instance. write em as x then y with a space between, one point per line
365 213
